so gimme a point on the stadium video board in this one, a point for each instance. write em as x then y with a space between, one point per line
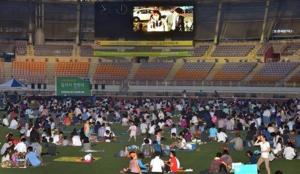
150 20
163 18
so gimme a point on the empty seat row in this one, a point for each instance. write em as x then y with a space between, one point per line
73 69
200 50
232 50
86 51
29 72
295 78
273 72
53 50
112 71
234 71
194 71
153 71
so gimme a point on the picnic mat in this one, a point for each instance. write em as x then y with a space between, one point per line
72 159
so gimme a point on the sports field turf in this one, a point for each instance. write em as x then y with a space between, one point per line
198 160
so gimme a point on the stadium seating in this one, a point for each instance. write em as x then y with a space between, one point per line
291 49
153 71
193 71
53 50
261 51
7 46
279 47
86 51
21 47
232 50
273 72
111 71
200 50
1 71
295 79
29 72
72 69
234 71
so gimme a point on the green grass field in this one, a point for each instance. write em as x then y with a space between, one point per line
198 160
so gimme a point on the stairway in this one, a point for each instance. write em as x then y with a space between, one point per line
292 73
214 70
258 67
92 68
30 50
50 72
134 68
210 50
7 70
253 52
177 66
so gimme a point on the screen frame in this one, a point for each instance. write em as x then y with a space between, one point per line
133 35
165 4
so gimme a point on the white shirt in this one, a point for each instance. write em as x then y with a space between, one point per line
267 113
21 147
56 139
13 124
221 137
289 153
271 129
76 141
161 115
194 120
5 158
143 128
157 164
174 131
5 122
264 147
278 148
152 129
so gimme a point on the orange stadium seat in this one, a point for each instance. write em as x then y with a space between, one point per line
295 79
234 71
153 71
111 71
273 72
29 72
1 71
193 71
72 69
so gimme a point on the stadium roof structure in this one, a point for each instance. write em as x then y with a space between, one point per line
199 1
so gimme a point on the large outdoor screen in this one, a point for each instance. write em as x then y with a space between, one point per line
145 20
163 19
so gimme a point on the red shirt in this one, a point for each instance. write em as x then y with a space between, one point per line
174 165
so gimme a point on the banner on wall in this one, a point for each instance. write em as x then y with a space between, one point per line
72 86
143 43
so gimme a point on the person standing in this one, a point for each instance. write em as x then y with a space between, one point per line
157 165
265 150
133 131
133 164
173 163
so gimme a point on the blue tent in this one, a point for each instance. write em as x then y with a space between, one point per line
13 83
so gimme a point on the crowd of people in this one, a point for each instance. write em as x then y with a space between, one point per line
185 122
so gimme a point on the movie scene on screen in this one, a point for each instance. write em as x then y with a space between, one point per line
163 18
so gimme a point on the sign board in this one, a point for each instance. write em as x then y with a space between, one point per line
72 86
143 43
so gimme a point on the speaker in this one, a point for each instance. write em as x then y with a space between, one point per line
102 86
32 86
45 86
39 86
96 86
